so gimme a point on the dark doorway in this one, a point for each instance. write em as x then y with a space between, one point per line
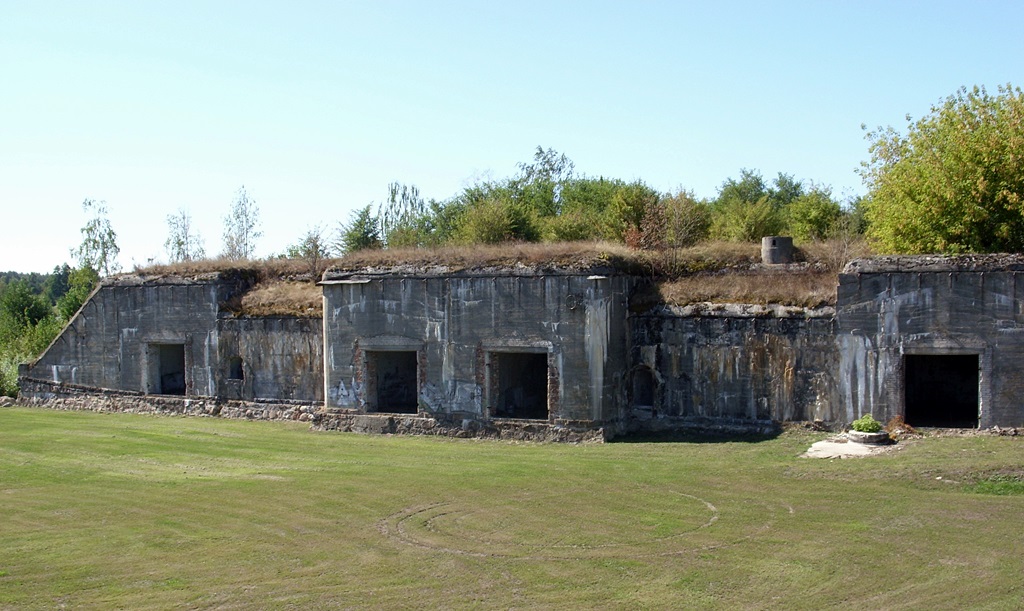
169 370
235 369
391 382
643 388
941 390
519 385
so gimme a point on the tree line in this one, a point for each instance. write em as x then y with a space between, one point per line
547 200
951 182
35 307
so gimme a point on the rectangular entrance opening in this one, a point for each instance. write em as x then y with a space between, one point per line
167 369
518 385
391 381
941 390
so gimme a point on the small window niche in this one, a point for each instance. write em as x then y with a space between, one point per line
643 389
236 370
518 385
391 381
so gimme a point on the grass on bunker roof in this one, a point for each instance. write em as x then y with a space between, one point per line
142 512
716 272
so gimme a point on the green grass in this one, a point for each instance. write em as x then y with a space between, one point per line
118 511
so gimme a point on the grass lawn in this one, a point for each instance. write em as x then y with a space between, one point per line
138 512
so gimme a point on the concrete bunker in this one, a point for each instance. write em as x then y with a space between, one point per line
517 384
941 390
545 352
391 381
166 369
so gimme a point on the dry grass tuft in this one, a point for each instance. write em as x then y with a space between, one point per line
292 269
561 255
283 298
805 288
835 253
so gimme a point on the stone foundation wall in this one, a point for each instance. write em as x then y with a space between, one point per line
351 421
75 397
72 397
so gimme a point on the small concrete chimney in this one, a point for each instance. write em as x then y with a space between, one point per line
776 249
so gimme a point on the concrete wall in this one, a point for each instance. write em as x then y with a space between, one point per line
456 323
114 342
281 358
734 365
107 343
467 337
885 315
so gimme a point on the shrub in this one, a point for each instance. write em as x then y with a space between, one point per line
866 424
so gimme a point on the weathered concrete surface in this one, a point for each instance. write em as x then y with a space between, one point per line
282 358
106 344
120 337
841 447
741 364
456 325
893 307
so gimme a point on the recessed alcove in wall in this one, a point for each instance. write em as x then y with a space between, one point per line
235 369
391 381
518 385
166 369
941 390
643 388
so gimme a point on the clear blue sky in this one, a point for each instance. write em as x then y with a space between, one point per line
316 106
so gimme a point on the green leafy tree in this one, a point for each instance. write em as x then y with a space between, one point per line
686 219
540 184
623 218
360 233
583 203
98 249
21 307
313 249
813 215
444 221
497 219
403 217
27 326
57 283
241 227
954 181
745 210
784 190
81 283
183 242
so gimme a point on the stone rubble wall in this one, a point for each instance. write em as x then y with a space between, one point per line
351 421
74 397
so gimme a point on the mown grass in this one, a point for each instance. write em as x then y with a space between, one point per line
120 511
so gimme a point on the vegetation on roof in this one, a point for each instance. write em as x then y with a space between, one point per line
715 272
